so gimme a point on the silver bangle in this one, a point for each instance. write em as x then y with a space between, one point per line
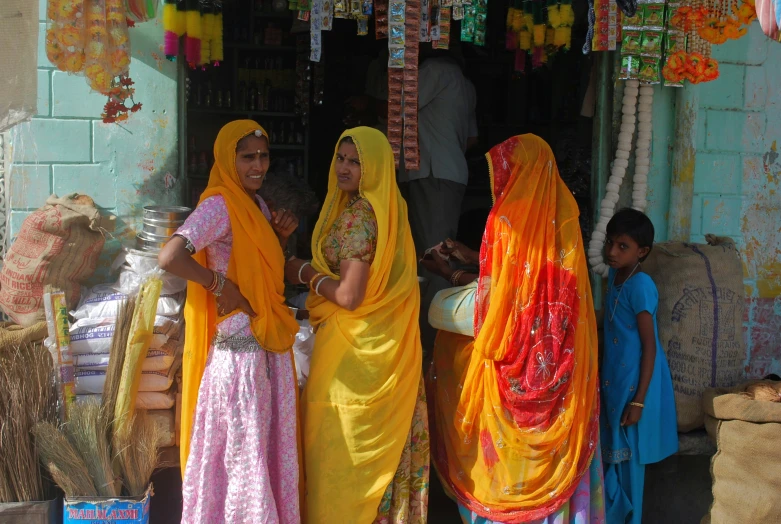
317 287
301 271
220 284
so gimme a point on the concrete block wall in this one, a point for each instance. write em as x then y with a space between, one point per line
737 181
66 148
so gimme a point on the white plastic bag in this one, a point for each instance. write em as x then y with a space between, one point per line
155 400
135 267
302 350
93 335
104 301
91 381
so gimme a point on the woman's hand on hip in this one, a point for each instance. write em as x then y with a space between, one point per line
231 299
284 223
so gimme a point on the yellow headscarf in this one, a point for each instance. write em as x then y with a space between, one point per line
366 364
516 409
257 266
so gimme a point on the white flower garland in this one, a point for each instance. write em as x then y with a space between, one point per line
621 163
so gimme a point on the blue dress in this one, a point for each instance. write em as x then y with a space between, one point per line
626 450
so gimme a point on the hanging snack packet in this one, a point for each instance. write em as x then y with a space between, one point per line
651 43
629 67
653 15
631 41
649 69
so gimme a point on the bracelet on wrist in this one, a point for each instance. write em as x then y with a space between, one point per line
314 277
301 272
637 404
220 284
317 287
213 284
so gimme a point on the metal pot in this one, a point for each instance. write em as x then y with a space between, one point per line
160 231
169 214
145 242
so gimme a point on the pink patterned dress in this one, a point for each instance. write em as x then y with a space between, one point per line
243 463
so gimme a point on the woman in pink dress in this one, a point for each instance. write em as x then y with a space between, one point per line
239 437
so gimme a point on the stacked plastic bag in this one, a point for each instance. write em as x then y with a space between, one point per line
93 329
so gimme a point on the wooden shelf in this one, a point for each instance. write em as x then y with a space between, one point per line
252 47
237 112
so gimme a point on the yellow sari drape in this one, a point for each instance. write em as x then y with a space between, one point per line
257 266
366 364
515 409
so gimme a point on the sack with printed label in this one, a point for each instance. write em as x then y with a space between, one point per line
58 245
700 316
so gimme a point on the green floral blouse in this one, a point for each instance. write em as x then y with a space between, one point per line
353 236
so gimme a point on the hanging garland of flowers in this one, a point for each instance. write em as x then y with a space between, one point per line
539 29
635 116
90 37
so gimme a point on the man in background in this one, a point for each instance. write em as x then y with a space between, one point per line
447 127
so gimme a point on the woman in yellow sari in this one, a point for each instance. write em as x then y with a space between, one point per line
513 385
364 410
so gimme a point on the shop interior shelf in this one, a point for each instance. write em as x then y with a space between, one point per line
259 47
237 112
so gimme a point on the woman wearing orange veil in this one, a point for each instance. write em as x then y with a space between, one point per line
239 445
513 389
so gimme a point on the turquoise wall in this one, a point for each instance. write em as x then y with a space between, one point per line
736 176
67 149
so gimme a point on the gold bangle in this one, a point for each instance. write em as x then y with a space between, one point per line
312 280
637 404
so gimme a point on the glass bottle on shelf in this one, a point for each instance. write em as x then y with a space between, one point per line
227 99
207 100
282 135
252 95
242 96
198 94
291 136
218 101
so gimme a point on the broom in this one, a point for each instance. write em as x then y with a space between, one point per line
137 451
27 396
63 461
86 430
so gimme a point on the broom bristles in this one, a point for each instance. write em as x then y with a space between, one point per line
116 362
87 433
137 450
55 450
27 396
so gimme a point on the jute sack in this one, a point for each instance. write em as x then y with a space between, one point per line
13 336
746 468
58 244
700 316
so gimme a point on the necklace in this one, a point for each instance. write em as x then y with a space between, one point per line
353 200
613 284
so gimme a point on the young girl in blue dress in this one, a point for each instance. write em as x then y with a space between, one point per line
637 423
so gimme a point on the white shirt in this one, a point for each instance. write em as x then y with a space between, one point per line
446 120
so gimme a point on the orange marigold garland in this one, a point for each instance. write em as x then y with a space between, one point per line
90 37
116 109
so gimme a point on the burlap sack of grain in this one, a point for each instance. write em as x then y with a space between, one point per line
58 244
746 468
700 315
13 336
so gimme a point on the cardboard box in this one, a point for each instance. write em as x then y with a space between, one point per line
29 512
119 510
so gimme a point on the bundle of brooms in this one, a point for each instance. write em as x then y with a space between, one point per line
28 396
105 449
